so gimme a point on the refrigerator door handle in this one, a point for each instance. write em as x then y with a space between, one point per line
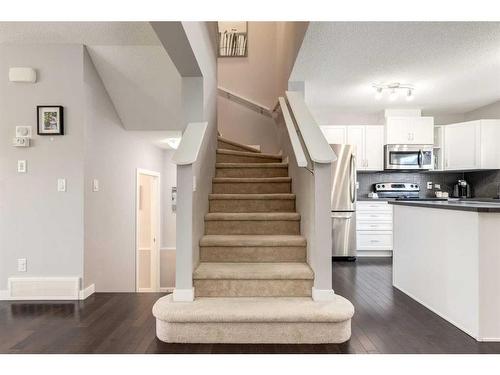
352 187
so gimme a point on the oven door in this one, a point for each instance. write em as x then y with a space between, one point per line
408 157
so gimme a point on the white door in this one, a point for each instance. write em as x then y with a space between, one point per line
374 148
334 134
356 137
148 230
461 145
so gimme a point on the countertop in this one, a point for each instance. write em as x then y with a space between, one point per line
486 205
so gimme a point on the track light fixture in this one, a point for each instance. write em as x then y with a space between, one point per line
394 90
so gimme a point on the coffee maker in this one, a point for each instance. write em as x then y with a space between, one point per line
462 190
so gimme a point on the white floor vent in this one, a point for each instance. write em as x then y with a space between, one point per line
44 288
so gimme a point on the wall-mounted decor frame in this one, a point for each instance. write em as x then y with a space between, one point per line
50 120
232 39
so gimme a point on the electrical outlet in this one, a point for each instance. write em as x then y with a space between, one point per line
357 185
437 186
429 185
21 265
95 185
21 166
61 184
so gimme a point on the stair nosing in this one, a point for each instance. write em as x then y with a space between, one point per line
248 153
251 165
236 144
252 216
250 180
276 240
268 274
256 196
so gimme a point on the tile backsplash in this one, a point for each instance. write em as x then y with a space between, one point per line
446 180
485 184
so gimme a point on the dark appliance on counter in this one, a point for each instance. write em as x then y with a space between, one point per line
462 190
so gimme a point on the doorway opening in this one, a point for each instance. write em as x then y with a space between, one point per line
148 231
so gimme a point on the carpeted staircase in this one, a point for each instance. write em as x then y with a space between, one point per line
253 284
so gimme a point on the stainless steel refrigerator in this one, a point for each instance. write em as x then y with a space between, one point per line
343 202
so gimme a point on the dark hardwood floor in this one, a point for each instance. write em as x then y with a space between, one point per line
386 321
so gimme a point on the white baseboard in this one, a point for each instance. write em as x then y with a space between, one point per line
87 292
323 294
167 289
183 295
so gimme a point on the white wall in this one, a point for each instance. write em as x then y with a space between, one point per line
260 77
112 156
490 111
200 36
37 222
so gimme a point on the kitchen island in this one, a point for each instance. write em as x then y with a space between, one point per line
447 257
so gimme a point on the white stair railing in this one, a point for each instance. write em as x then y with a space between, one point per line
308 151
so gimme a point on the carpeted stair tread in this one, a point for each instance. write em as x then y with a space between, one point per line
253 240
251 165
248 180
236 144
253 271
248 153
252 216
253 310
280 196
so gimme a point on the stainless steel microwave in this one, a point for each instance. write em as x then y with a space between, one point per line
408 157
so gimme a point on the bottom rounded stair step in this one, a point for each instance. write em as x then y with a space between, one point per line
254 320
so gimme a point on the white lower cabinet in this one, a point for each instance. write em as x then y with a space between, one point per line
374 228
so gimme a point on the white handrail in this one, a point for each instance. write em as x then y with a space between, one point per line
249 103
191 142
318 148
292 133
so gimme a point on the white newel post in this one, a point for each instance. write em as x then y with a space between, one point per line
184 290
322 243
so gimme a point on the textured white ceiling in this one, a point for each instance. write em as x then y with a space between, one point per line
89 33
455 67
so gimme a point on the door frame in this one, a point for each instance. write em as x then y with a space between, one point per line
139 171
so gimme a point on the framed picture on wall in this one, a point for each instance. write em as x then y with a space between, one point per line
50 120
232 38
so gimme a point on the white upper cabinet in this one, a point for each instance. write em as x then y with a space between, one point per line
335 135
472 145
368 141
374 148
409 130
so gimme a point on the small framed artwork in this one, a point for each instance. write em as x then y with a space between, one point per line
50 120
232 39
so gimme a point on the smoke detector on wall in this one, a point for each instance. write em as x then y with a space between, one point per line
394 89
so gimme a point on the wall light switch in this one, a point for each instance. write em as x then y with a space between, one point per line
194 183
21 265
21 166
429 185
61 184
95 185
